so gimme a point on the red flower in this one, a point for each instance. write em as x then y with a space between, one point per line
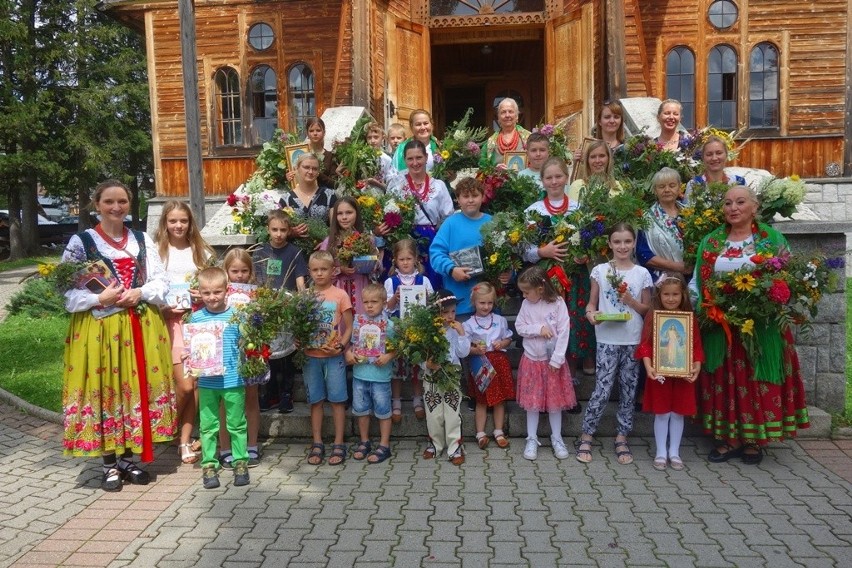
779 292
265 352
232 200
393 219
360 184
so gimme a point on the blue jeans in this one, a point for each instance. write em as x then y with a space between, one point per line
370 396
325 379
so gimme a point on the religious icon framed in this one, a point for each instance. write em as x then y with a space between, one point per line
515 160
292 154
673 343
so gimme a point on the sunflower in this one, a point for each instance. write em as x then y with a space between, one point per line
744 283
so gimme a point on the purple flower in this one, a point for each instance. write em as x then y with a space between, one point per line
436 158
547 130
835 263
473 147
599 227
257 320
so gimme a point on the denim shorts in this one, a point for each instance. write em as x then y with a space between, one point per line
370 396
325 379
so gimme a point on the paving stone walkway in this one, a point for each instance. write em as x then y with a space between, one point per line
496 510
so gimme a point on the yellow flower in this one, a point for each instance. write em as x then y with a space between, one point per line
794 177
744 283
514 237
493 258
748 326
445 154
709 213
46 268
559 238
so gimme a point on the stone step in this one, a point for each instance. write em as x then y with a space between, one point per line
298 424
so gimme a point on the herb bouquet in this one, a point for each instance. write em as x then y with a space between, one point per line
357 250
503 241
358 160
460 148
703 214
259 322
272 162
420 338
780 196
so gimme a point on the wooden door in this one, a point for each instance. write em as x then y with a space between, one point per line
569 73
408 69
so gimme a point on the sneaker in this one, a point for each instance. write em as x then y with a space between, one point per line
241 474
286 404
209 477
559 449
254 458
531 449
226 460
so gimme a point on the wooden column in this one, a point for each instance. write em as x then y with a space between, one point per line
186 15
847 123
615 58
360 52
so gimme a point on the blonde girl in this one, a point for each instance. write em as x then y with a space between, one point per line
618 287
673 398
407 270
490 336
240 268
183 252
544 382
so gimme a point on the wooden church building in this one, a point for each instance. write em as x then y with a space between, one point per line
778 70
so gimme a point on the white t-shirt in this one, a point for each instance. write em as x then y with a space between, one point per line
620 332
180 267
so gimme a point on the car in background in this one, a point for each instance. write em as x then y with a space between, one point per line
50 232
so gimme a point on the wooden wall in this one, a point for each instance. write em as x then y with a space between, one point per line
222 175
806 157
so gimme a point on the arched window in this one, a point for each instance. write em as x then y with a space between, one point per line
263 90
763 87
680 82
228 107
722 87
302 97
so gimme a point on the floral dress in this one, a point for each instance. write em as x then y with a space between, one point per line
118 392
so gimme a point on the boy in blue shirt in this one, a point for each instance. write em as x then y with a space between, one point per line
227 389
372 373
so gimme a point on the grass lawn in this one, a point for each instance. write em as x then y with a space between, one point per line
31 351
30 261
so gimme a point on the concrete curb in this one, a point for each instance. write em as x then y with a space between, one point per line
31 409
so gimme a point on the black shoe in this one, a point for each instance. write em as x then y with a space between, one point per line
715 456
226 461
576 409
753 459
112 480
254 458
134 475
209 477
286 404
241 473
471 404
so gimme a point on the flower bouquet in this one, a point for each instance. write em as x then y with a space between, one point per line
272 162
398 216
640 157
540 230
783 289
300 314
559 140
779 196
460 148
420 338
357 250
502 244
703 214
317 231
250 206
506 190
259 322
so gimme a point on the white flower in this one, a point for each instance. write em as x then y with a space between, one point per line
391 207
575 239
460 135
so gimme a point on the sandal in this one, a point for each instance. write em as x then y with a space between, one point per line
396 412
622 452
338 454
362 450
429 453
501 440
584 450
753 457
226 460
187 454
676 463
660 464
419 411
482 441
132 473
195 445
381 453
317 454
723 452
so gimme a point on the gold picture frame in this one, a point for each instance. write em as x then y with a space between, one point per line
292 153
516 161
583 149
673 343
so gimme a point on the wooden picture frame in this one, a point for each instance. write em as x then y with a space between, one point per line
292 153
673 343
575 168
516 161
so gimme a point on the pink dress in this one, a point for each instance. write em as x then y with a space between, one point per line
541 387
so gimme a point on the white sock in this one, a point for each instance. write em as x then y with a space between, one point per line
675 434
532 424
661 431
555 424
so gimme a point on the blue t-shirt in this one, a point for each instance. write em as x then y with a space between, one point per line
369 339
230 350
456 233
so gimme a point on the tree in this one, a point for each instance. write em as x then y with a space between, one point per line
74 106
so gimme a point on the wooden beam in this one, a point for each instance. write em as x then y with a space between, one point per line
847 123
616 62
361 54
345 10
186 15
643 50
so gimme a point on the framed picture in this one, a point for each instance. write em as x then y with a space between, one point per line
673 343
575 169
515 160
468 258
293 152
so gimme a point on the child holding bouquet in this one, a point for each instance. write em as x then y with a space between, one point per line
669 399
490 337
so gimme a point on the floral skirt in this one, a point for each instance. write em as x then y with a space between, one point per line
102 399
502 386
544 389
674 395
581 343
735 408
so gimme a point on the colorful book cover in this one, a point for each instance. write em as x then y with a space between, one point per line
96 278
203 342
370 338
414 295
178 296
240 294
483 371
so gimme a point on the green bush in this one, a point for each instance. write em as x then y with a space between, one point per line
37 299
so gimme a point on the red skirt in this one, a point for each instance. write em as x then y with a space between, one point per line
502 386
735 408
674 395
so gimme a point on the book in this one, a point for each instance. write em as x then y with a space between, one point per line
413 295
240 294
469 258
483 371
365 264
203 343
614 317
97 277
369 343
178 296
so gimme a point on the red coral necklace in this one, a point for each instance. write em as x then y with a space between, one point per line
421 194
556 210
119 243
510 146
